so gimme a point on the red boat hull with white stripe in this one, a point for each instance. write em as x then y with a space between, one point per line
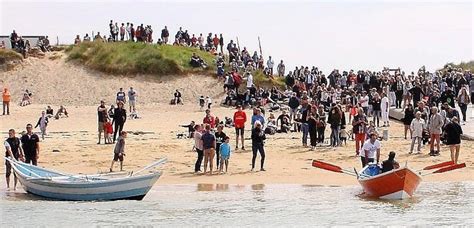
395 184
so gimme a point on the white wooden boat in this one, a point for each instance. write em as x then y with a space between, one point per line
56 185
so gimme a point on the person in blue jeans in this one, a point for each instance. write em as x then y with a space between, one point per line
305 111
258 138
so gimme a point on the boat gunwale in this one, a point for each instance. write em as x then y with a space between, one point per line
364 179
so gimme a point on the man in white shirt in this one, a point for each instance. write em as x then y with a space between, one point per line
249 80
270 65
417 125
370 150
385 106
364 102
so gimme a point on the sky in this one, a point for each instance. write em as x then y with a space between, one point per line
366 35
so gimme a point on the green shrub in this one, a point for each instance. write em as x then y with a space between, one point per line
129 58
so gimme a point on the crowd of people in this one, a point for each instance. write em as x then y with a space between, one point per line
356 106
23 46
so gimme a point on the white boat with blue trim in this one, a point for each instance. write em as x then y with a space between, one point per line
55 185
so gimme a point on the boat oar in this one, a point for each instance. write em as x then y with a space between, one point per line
442 164
448 168
159 162
331 167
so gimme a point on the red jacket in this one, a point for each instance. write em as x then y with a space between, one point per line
209 120
239 119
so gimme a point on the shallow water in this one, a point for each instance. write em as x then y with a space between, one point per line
439 204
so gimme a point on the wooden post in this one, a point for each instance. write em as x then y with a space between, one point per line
260 46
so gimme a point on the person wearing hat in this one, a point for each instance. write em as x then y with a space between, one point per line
370 150
390 163
417 125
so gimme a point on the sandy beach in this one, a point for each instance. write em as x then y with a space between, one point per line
56 82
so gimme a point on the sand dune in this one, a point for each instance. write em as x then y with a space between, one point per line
154 136
59 82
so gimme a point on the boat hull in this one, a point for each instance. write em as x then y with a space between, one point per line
83 189
396 184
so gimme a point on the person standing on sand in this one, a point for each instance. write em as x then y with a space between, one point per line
239 123
198 146
417 125
101 117
359 125
120 116
209 119
121 96
225 154
6 101
209 146
119 150
30 145
258 138
42 123
435 125
132 95
220 138
13 151
453 138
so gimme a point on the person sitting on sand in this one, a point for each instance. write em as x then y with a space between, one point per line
62 112
119 150
390 163
177 98
26 100
225 154
49 112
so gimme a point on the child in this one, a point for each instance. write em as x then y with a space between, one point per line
119 150
225 154
343 135
108 131
202 101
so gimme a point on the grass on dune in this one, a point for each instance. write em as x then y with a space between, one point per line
9 55
129 58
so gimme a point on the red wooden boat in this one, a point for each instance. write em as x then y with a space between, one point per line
396 184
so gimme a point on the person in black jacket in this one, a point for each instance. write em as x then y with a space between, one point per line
453 138
120 116
409 116
258 138
293 103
